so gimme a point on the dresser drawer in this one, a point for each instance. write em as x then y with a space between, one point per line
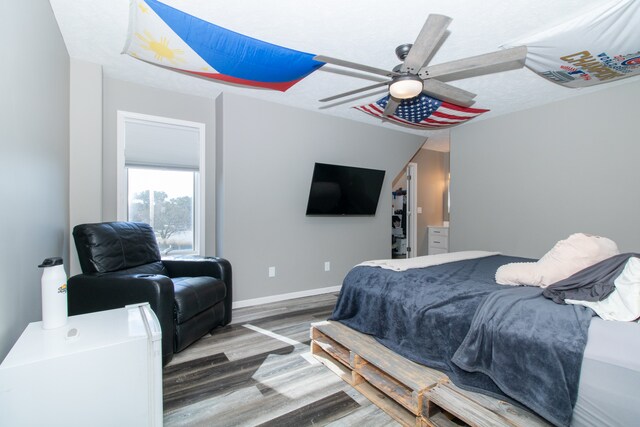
438 231
441 242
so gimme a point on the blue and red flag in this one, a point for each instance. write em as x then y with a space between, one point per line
163 35
423 112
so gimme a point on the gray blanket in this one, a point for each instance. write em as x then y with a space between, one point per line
426 314
594 283
530 347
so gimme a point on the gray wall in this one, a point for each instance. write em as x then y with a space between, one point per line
85 150
259 171
445 196
522 181
34 165
134 98
268 155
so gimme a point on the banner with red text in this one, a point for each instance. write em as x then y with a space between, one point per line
600 46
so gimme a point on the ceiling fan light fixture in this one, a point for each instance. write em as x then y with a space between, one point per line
405 87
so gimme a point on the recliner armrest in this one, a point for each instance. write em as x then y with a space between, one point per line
87 293
217 267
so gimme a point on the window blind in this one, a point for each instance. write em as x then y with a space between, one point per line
153 144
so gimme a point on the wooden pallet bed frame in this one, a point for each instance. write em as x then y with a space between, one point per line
412 394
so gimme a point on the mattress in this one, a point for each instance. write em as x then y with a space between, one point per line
608 393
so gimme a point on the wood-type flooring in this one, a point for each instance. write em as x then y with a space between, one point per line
258 371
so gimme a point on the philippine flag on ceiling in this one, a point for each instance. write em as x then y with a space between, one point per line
165 36
423 112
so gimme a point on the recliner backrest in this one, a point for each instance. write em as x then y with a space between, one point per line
113 246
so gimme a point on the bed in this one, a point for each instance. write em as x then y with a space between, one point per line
510 343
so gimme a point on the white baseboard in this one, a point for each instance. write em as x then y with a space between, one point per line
283 297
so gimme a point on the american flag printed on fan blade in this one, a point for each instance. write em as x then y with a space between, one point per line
424 112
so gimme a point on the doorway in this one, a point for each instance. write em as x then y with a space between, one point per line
404 215
430 187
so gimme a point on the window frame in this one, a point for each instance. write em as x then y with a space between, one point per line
122 178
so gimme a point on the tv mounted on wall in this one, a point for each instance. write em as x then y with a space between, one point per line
344 190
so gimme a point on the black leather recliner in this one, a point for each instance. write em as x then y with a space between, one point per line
121 265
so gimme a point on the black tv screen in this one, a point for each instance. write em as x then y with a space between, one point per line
344 190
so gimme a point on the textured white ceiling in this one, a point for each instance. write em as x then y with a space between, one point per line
364 31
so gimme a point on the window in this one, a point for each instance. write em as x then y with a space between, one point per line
160 179
164 198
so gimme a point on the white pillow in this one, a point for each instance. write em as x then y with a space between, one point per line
567 257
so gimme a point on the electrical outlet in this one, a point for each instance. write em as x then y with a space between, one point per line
272 272
327 266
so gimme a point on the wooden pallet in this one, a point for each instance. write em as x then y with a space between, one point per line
411 393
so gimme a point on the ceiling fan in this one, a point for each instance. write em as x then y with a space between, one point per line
414 76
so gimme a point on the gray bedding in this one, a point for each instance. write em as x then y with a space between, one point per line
427 314
531 348
591 284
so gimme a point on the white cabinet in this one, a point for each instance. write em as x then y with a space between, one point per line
100 369
438 240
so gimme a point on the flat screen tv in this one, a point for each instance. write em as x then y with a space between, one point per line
344 190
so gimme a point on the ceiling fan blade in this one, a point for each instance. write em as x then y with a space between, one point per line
448 93
392 104
353 92
495 62
354 65
426 43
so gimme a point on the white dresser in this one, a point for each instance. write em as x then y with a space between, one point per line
438 240
101 369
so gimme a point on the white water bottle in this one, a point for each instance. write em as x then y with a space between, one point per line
54 293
